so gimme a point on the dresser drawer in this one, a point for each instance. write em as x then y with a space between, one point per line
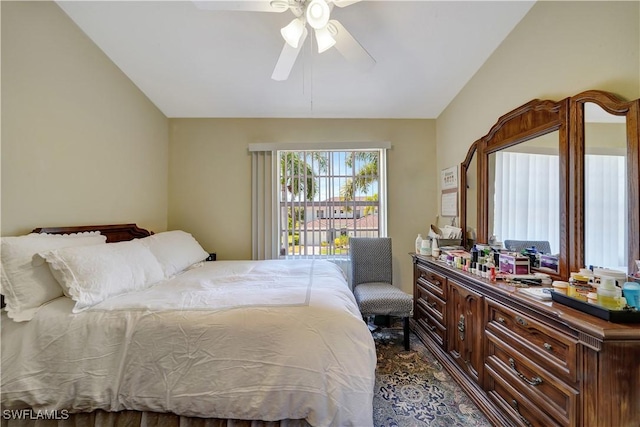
433 281
551 349
516 405
550 394
432 327
431 303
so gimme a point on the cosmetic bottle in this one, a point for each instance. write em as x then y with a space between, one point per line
425 249
474 254
435 250
608 293
632 294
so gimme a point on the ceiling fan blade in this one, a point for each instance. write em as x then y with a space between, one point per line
350 48
345 3
287 59
243 5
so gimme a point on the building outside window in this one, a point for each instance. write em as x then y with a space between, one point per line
327 196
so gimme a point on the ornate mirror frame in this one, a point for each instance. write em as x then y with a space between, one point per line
612 104
464 169
539 117
533 119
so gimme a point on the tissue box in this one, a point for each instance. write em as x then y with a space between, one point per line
514 264
549 262
449 242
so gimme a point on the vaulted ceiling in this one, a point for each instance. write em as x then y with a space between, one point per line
192 62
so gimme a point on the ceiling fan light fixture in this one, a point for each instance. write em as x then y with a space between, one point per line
279 5
292 32
324 39
317 13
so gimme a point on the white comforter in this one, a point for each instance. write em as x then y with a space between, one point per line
228 339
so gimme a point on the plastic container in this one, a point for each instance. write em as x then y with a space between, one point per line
579 292
418 243
619 276
608 293
588 274
631 292
425 248
435 250
560 287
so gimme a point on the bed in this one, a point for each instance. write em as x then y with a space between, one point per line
278 342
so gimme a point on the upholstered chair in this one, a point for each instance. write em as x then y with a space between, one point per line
372 281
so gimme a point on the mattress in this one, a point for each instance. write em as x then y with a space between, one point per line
267 340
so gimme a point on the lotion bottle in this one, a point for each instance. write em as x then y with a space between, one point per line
608 293
425 249
435 250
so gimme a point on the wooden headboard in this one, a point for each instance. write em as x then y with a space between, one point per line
114 232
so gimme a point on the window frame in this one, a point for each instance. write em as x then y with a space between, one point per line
264 167
330 203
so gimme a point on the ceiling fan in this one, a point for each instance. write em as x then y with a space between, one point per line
316 13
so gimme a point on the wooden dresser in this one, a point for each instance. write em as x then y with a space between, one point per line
523 361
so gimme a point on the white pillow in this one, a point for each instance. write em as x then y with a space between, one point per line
92 274
175 250
26 285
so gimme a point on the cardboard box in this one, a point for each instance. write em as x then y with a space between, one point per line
549 262
514 264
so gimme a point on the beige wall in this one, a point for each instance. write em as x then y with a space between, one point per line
210 177
80 143
559 49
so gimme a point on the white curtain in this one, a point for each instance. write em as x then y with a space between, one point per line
264 217
605 212
527 198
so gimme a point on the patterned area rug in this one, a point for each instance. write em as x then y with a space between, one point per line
413 390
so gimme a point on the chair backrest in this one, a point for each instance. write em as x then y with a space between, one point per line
518 245
370 260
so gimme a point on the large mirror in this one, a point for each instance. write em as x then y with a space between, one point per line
606 213
522 181
564 174
524 195
606 151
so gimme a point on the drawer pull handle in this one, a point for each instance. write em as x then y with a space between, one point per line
533 381
501 320
461 327
514 404
521 321
431 304
431 328
436 282
547 346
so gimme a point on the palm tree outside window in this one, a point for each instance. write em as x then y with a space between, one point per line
326 197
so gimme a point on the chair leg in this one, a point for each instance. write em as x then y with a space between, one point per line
405 327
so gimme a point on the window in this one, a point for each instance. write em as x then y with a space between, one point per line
346 184
308 202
